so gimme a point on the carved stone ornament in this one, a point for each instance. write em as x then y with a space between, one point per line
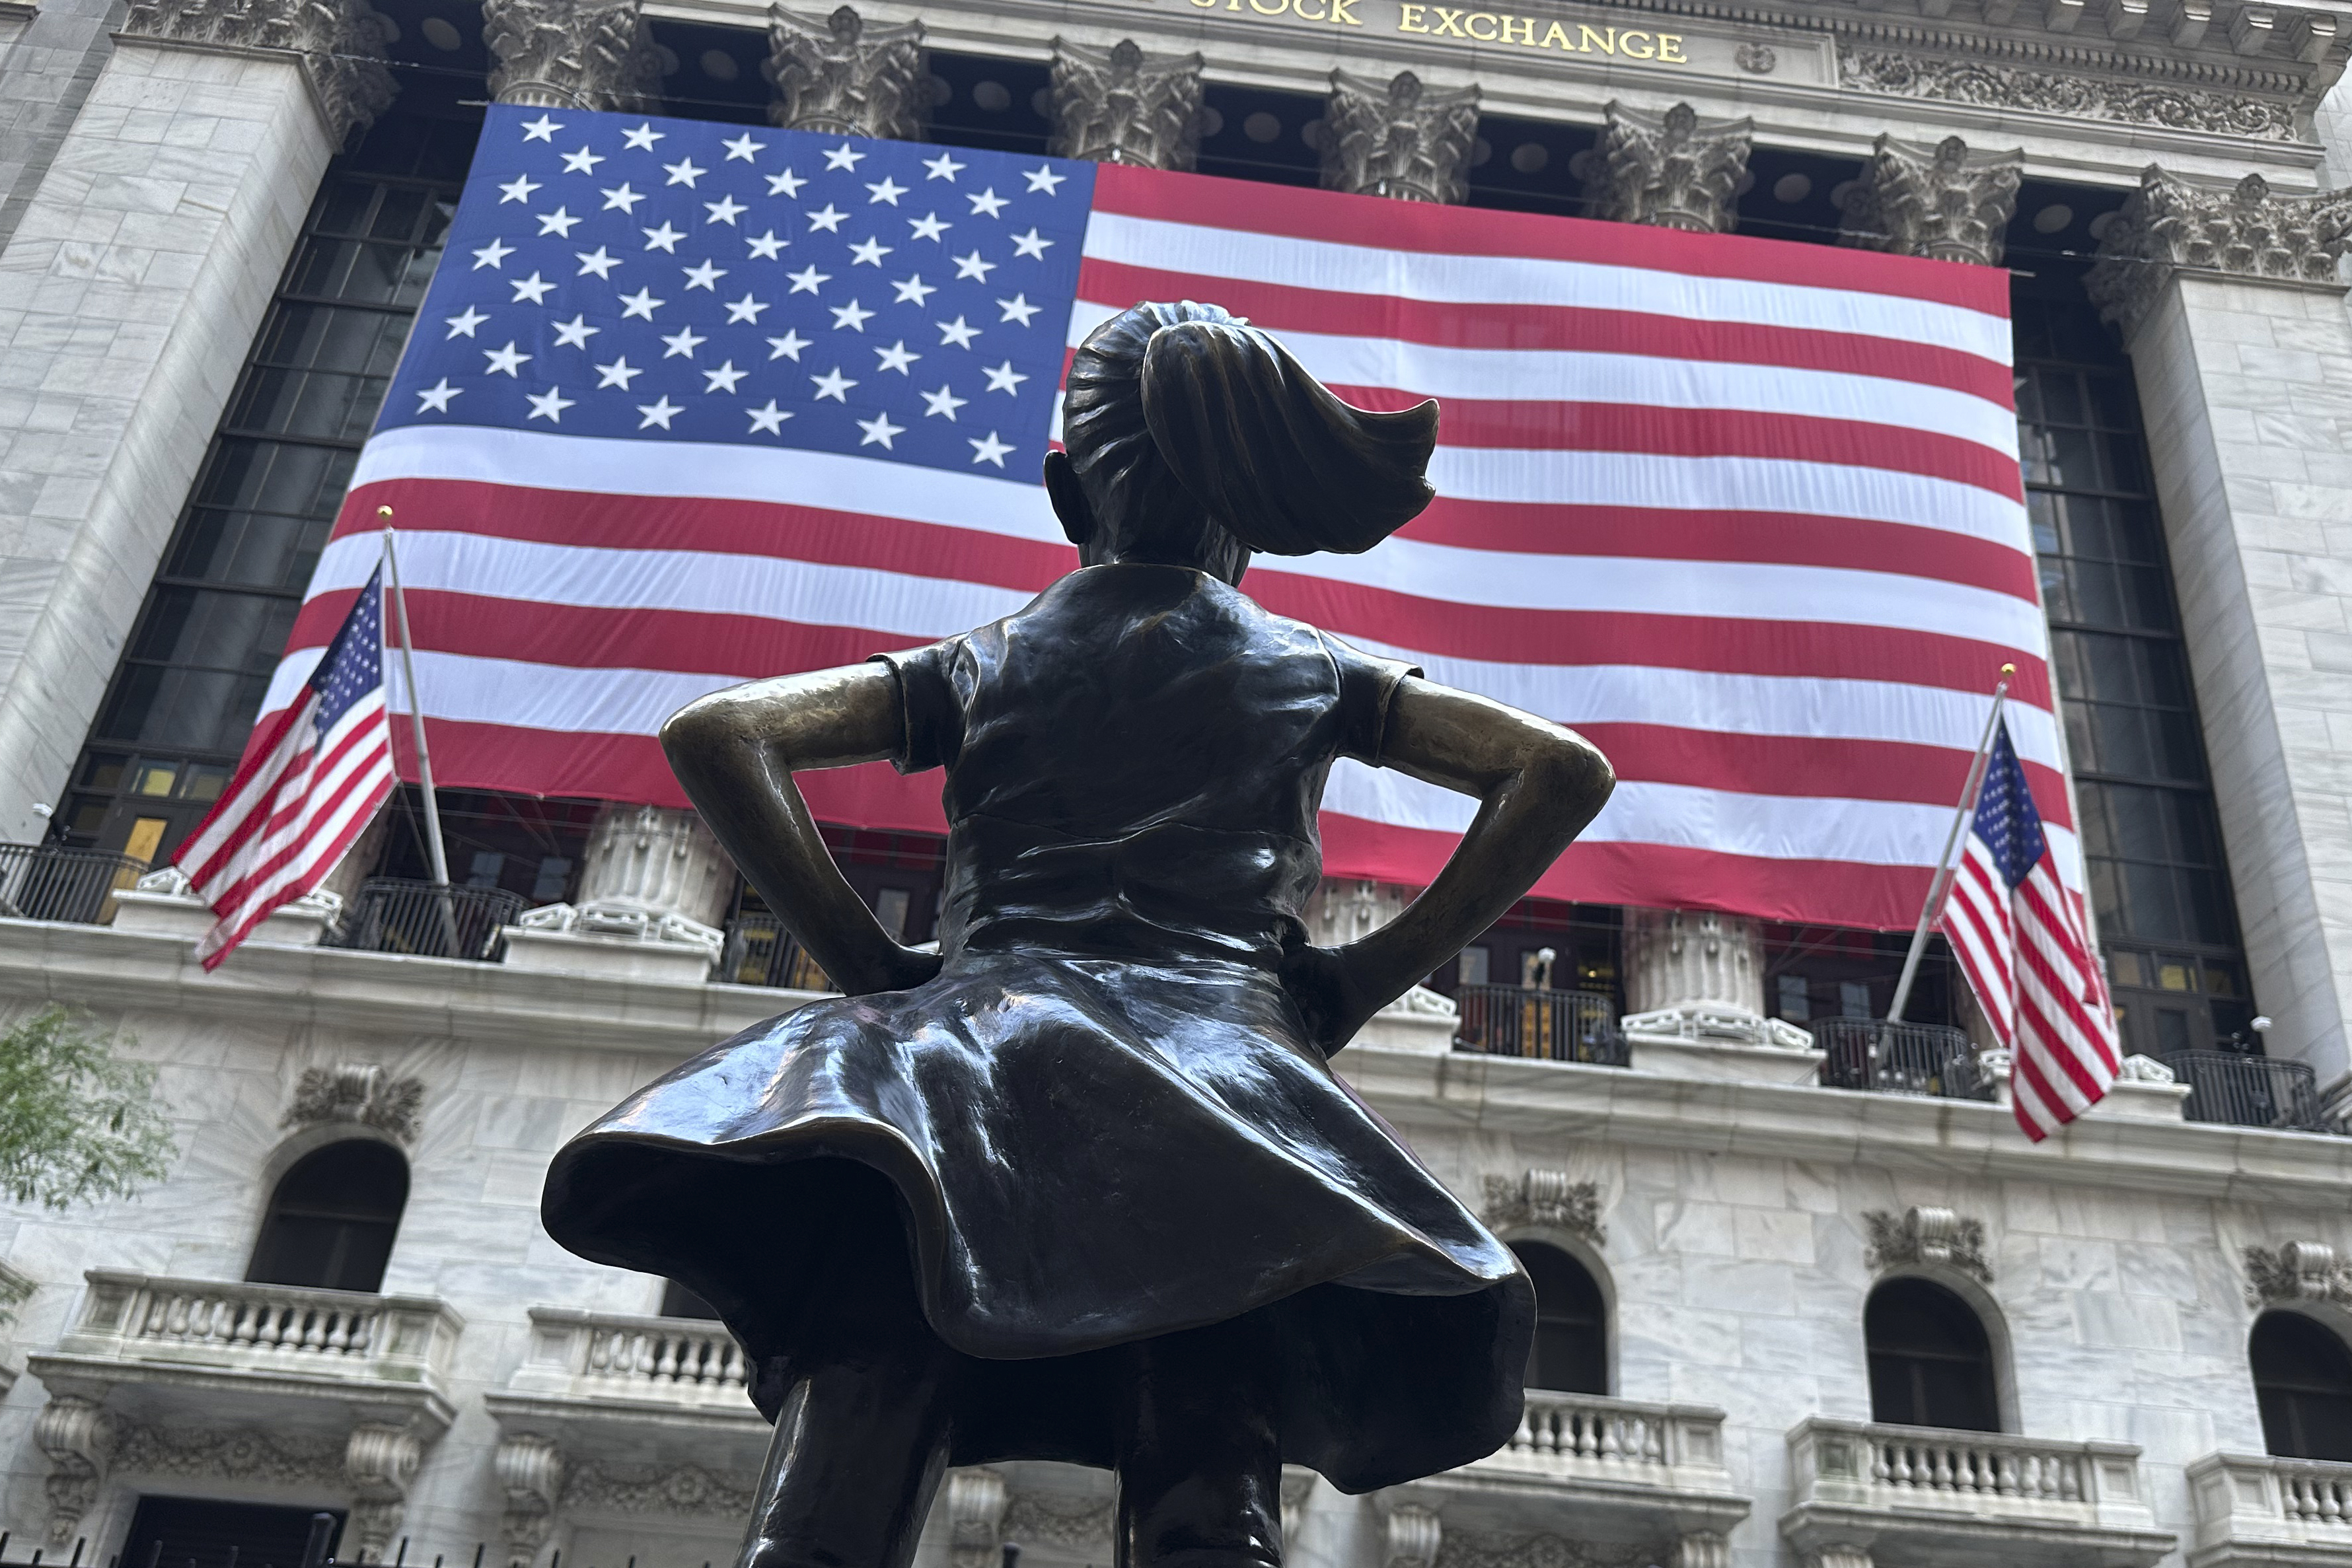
380 1461
1547 1197
570 54
1756 59
1298 1486
837 74
78 1437
1927 1237
1125 106
2248 231
1839 1557
531 1470
1703 1549
356 1091
341 42
687 1490
1414 1538
1674 170
1945 203
2298 1271
1401 139
2137 102
1465 1549
233 1454
1675 957
976 1504
1059 1521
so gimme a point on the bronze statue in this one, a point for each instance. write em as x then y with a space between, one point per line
1080 1185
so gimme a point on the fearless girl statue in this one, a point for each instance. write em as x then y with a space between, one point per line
1081 1185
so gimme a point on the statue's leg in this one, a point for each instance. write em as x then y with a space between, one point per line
1200 1462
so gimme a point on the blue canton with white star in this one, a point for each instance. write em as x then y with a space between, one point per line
617 276
353 666
2006 820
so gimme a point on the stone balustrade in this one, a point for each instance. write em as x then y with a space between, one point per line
2257 1509
682 1364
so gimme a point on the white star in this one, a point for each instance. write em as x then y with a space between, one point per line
878 428
767 246
896 357
869 254
988 202
683 173
642 303
1043 178
834 384
827 217
619 373
769 419
549 406
493 254
929 226
956 332
888 191
1005 378
914 290
972 267
723 211
989 451
1019 306
704 277
575 332
644 137
943 167
518 189
599 261
943 402
623 198
842 157
744 309
789 346
805 280
436 398
850 316
582 162
533 288
684 341
504 362
785 184
464 323
541 129
742 147
661 411
724 377
664 238
1031 244
558 222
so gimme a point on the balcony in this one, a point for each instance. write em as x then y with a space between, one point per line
48 882
2260 1511
1967 1499
2241 1090
1897 1058
1551 1026
391 914
760 952
612 1386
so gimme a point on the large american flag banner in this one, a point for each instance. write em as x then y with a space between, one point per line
688 403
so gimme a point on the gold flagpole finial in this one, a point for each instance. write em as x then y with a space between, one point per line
384 516
2005 669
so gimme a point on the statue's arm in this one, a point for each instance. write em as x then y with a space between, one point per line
1537 783
736 752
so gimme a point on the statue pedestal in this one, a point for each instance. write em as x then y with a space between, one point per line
1719 1040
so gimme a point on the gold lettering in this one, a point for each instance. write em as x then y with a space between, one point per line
1670 49
1625 43
1340 12
1526 22
1550 34
1449 23
1470 25
1588 38
1409 19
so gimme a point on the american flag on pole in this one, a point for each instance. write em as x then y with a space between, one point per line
2019 936
313 777
688 404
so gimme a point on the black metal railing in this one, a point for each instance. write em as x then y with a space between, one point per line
2247 1090
760 952
1897 1058
49 882
393 915
1553 1026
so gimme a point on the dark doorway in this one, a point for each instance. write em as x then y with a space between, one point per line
1571 1345
333 1219
2303 1381
197 1532
1931 1362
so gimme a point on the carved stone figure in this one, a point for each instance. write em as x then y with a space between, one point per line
835 74
1946 203
902 1200
1926 1235
341 42
2249 231
1125 106
1401 139
1674 170
570 54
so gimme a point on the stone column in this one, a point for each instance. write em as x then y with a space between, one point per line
1348 909
570 54
835 74
1125 106
1674 170
129 293
1945 202
1401 140
2239 339
1687 957
654 889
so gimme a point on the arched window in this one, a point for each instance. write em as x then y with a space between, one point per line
1571 1345
1931 1362
332 1219
2303 1381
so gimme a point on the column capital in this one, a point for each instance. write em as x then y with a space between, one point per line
1400 140
341 42
1674 170
570 54
1944 201
835 74
1123 106
2170 226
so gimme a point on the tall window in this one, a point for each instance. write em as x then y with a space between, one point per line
2150 837
332 1219
1571 1344
2303 1381
1930 1361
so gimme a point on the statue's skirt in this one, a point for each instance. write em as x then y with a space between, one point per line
1086 1151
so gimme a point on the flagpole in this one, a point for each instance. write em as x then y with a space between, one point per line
433 846
1944 866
